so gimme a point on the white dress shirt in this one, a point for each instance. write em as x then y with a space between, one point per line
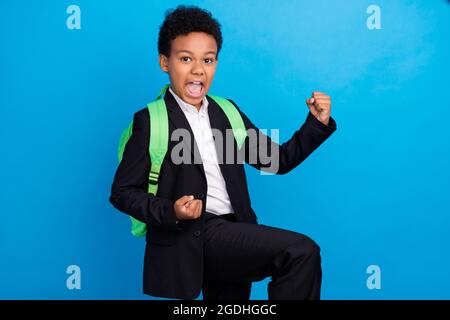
217 201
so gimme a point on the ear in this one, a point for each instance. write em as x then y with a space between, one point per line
163 63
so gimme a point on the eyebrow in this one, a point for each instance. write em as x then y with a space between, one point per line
190 52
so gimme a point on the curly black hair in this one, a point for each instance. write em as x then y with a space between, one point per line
183 20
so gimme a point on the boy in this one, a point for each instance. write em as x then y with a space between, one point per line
202 233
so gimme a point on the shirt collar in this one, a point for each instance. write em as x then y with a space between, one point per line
186 107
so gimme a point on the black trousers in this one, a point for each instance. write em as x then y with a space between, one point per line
237 254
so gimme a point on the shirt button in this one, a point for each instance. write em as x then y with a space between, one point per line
197 233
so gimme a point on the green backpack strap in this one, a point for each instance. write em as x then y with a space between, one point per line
234 117
158 144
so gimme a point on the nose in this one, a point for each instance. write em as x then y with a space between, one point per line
197 69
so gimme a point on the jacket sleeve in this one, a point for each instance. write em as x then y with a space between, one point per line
266 155
129 188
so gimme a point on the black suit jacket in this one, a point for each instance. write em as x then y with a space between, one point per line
173 262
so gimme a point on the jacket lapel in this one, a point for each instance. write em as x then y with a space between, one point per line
219 121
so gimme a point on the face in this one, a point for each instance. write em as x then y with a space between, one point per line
191 66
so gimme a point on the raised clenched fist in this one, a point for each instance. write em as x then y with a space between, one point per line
320 106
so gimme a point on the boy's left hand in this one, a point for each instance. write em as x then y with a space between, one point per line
320 106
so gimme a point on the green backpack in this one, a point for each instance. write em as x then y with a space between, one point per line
159 141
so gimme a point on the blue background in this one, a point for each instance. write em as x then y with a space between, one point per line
376 192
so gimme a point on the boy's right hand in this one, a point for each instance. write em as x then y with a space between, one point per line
187 208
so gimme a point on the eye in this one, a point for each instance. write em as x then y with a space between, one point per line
209 60
185 59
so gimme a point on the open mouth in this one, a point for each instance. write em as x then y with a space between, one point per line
195 89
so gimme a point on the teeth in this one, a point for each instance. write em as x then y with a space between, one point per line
196 82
